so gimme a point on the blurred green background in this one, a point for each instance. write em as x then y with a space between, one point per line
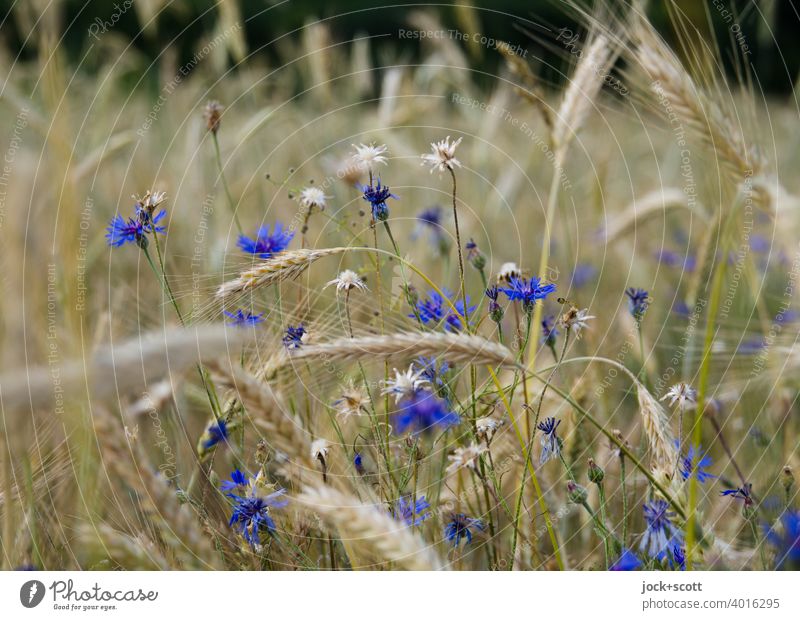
770 29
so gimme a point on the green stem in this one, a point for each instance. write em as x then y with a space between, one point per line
228 196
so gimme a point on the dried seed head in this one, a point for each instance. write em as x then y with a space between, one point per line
212 114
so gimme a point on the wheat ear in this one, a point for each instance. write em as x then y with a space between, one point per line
283 266
459 348
130 552
371 528
123 369
656 428
179 528
671 83
582 92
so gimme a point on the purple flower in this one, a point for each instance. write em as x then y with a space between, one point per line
626 561
240 319
551 444
413 513
460 527
661 533
218 431
133 230
786 541
527 291
293 338
691 461
638 300
377 196
266 243
744 493
423 411
251 509
435 309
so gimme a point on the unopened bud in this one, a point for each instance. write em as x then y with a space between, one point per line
596 473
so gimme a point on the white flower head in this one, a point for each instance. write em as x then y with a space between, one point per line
404 383
367 155
509 271
575 320
347 280
151 200
352 402
442 155
319 449
487 427
683 394
311 197
465 458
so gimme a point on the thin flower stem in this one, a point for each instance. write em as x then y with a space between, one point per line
228 196
624 499
539 495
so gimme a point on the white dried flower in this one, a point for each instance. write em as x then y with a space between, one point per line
465 457
442 156
311 197
347 280
132 434
509 271
575 320
366 156
683 394
487 427
319 449
404 383
151 200
352 402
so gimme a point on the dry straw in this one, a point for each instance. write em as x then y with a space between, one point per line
371 528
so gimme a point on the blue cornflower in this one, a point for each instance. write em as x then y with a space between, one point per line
134 229
638 300
293 338
759 243
583 274
435 309
358 463
460 527
661 534
527 291
753 346
431 220
495 309
691 461
682 309
475 257
678 558
626 561
551 444
377 196
240 319
413 513
422 411
432 369
238 479
549 331
786 541
218 431
266 243
744 493
250 508
673 259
